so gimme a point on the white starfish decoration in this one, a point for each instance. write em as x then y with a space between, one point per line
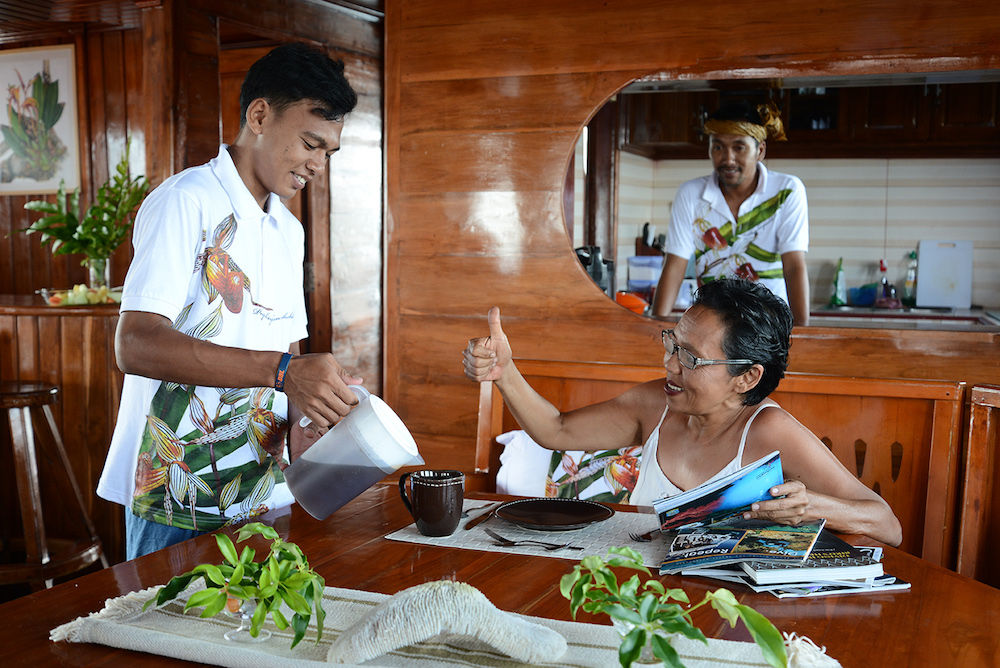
444 607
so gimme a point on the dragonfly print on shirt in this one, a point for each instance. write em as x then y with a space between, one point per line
184 469
221 275
205 449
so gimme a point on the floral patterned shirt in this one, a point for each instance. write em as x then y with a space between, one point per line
774 220
221 269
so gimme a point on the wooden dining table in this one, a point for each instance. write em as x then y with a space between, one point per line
945 619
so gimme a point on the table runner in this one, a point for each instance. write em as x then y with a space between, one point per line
595 538
168 631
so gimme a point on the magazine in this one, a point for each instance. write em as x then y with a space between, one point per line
723 499
733 573
830 559
736 541
879 585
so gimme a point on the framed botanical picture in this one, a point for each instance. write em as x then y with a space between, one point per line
39 147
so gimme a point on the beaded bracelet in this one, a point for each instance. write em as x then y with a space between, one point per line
279 377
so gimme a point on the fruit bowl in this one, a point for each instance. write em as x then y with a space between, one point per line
81 295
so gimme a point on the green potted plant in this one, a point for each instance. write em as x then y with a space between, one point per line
283 577
647 613
100 229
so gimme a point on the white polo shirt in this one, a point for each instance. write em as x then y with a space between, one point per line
774 220
220 268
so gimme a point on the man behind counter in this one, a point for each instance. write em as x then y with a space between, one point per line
770 235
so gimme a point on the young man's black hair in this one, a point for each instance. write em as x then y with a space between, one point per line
294 72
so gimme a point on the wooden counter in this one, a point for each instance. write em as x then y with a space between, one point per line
71 347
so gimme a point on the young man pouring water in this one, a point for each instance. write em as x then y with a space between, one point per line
212 312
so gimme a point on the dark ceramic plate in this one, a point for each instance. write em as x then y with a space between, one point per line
553 514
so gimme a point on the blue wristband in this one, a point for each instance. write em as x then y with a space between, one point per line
279 377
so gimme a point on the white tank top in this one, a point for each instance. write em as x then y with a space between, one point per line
653 482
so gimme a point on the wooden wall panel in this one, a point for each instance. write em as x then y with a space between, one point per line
527 38
515 102
158 76
483 223
353 279
197 115
483 107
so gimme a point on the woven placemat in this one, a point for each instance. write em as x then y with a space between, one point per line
169 631
594 539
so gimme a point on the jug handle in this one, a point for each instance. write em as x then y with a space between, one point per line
402 491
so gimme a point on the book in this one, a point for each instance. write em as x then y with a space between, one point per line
735 574
731 574
723 499
879 585
830 559
737 541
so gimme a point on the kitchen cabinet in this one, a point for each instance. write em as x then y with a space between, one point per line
966 113
888 115
652 124
815 115
915 120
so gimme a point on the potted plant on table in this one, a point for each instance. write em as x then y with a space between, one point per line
283 577
647 613
98 231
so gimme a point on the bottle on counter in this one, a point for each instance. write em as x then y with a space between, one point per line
887 296
910 284
839 296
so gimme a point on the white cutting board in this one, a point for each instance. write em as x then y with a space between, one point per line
944 274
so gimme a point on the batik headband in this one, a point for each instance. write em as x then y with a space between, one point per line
772 127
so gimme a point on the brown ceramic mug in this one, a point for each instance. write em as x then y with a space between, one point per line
435 500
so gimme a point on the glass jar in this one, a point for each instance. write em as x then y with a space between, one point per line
98 272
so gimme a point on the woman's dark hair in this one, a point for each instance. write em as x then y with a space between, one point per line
294 72
758 327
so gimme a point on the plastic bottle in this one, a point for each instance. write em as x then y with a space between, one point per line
910 284
839 296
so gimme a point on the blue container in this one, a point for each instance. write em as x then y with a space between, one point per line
862 296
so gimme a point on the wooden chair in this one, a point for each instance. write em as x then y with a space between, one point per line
45 557
900 437
979 530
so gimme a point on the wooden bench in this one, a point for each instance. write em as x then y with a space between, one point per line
900 437
979 531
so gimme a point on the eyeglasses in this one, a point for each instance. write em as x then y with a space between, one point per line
686 357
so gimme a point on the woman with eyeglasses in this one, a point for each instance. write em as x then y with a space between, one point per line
708 418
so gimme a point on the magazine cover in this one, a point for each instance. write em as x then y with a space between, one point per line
723 499
739 541
831 558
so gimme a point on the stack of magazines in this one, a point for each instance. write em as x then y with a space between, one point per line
706 535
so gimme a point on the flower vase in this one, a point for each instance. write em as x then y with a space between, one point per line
646 656
98 272
242 632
